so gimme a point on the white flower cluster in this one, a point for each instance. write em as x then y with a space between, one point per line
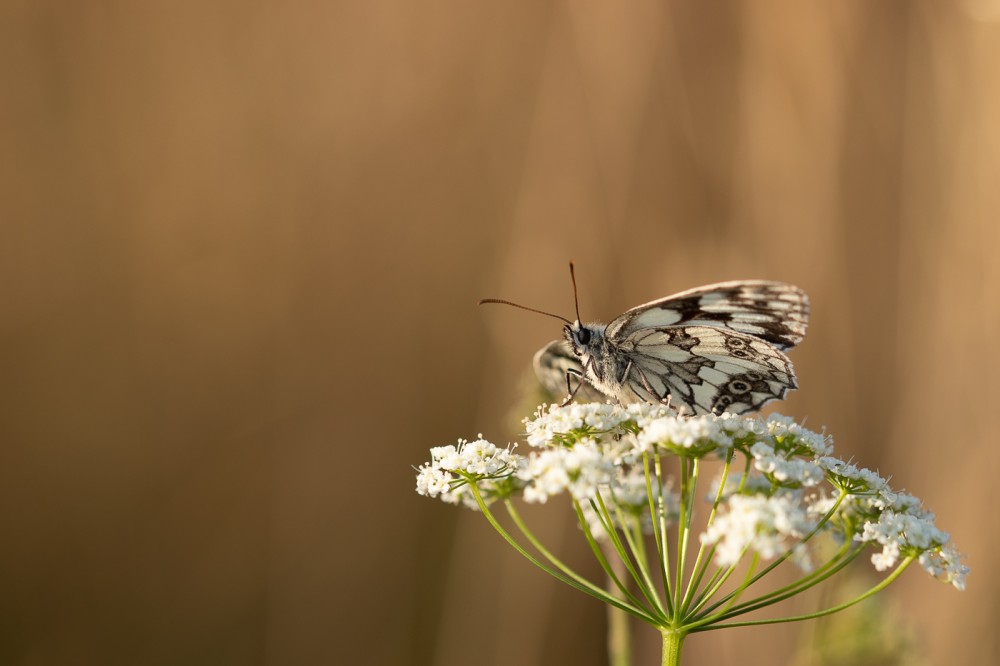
581 469
602 454
706 432
786 471
785 431
453 466
945 564
761 524
553 423
911 532
855 479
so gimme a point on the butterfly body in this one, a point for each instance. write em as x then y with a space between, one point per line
707 350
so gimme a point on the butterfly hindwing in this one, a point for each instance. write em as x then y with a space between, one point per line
775 312
705 369
553 362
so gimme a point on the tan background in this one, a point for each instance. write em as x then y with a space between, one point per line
241 248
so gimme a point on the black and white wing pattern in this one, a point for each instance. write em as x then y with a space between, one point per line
703 369
775 312
553 363
706 350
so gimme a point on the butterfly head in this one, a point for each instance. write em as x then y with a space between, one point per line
582 337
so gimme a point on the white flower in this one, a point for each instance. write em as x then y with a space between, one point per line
580 469
857 479
945 564
479 457
644 412
790 434
786 471
899 532
446 476
902 502
686 432
758 523
432 481
554 423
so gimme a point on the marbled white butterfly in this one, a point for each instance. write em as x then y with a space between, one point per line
712 349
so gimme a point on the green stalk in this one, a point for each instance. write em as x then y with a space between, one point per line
662 545
700 567
689 480
649 614
673 641
593 590
533 540
829 611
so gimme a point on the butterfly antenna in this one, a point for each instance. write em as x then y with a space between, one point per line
576 301
523 307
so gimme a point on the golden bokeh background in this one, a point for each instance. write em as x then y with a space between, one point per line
242 244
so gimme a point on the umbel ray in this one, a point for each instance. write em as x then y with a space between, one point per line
711 349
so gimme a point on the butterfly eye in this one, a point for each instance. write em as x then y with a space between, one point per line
583 336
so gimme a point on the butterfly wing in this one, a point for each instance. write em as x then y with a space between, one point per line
552 363
775 312
705 369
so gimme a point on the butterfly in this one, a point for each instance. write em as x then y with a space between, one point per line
711 349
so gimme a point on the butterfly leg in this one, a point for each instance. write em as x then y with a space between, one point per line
569 387
579 376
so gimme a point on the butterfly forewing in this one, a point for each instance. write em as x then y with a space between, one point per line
702 369
775 312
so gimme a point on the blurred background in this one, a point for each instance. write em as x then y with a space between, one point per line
240 254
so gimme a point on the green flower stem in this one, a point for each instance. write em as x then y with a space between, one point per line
673 641
601 509
720 577
533 540
619 635
788 553
747 581
823 521
840 560
639 539
642 564
688 471
661 512
810 616
780 595
605 565
653 608
593 591
735 594
705 593
701 564
747 461
658 514
606 524
730 609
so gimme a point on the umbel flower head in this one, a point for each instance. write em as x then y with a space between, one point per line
780 495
